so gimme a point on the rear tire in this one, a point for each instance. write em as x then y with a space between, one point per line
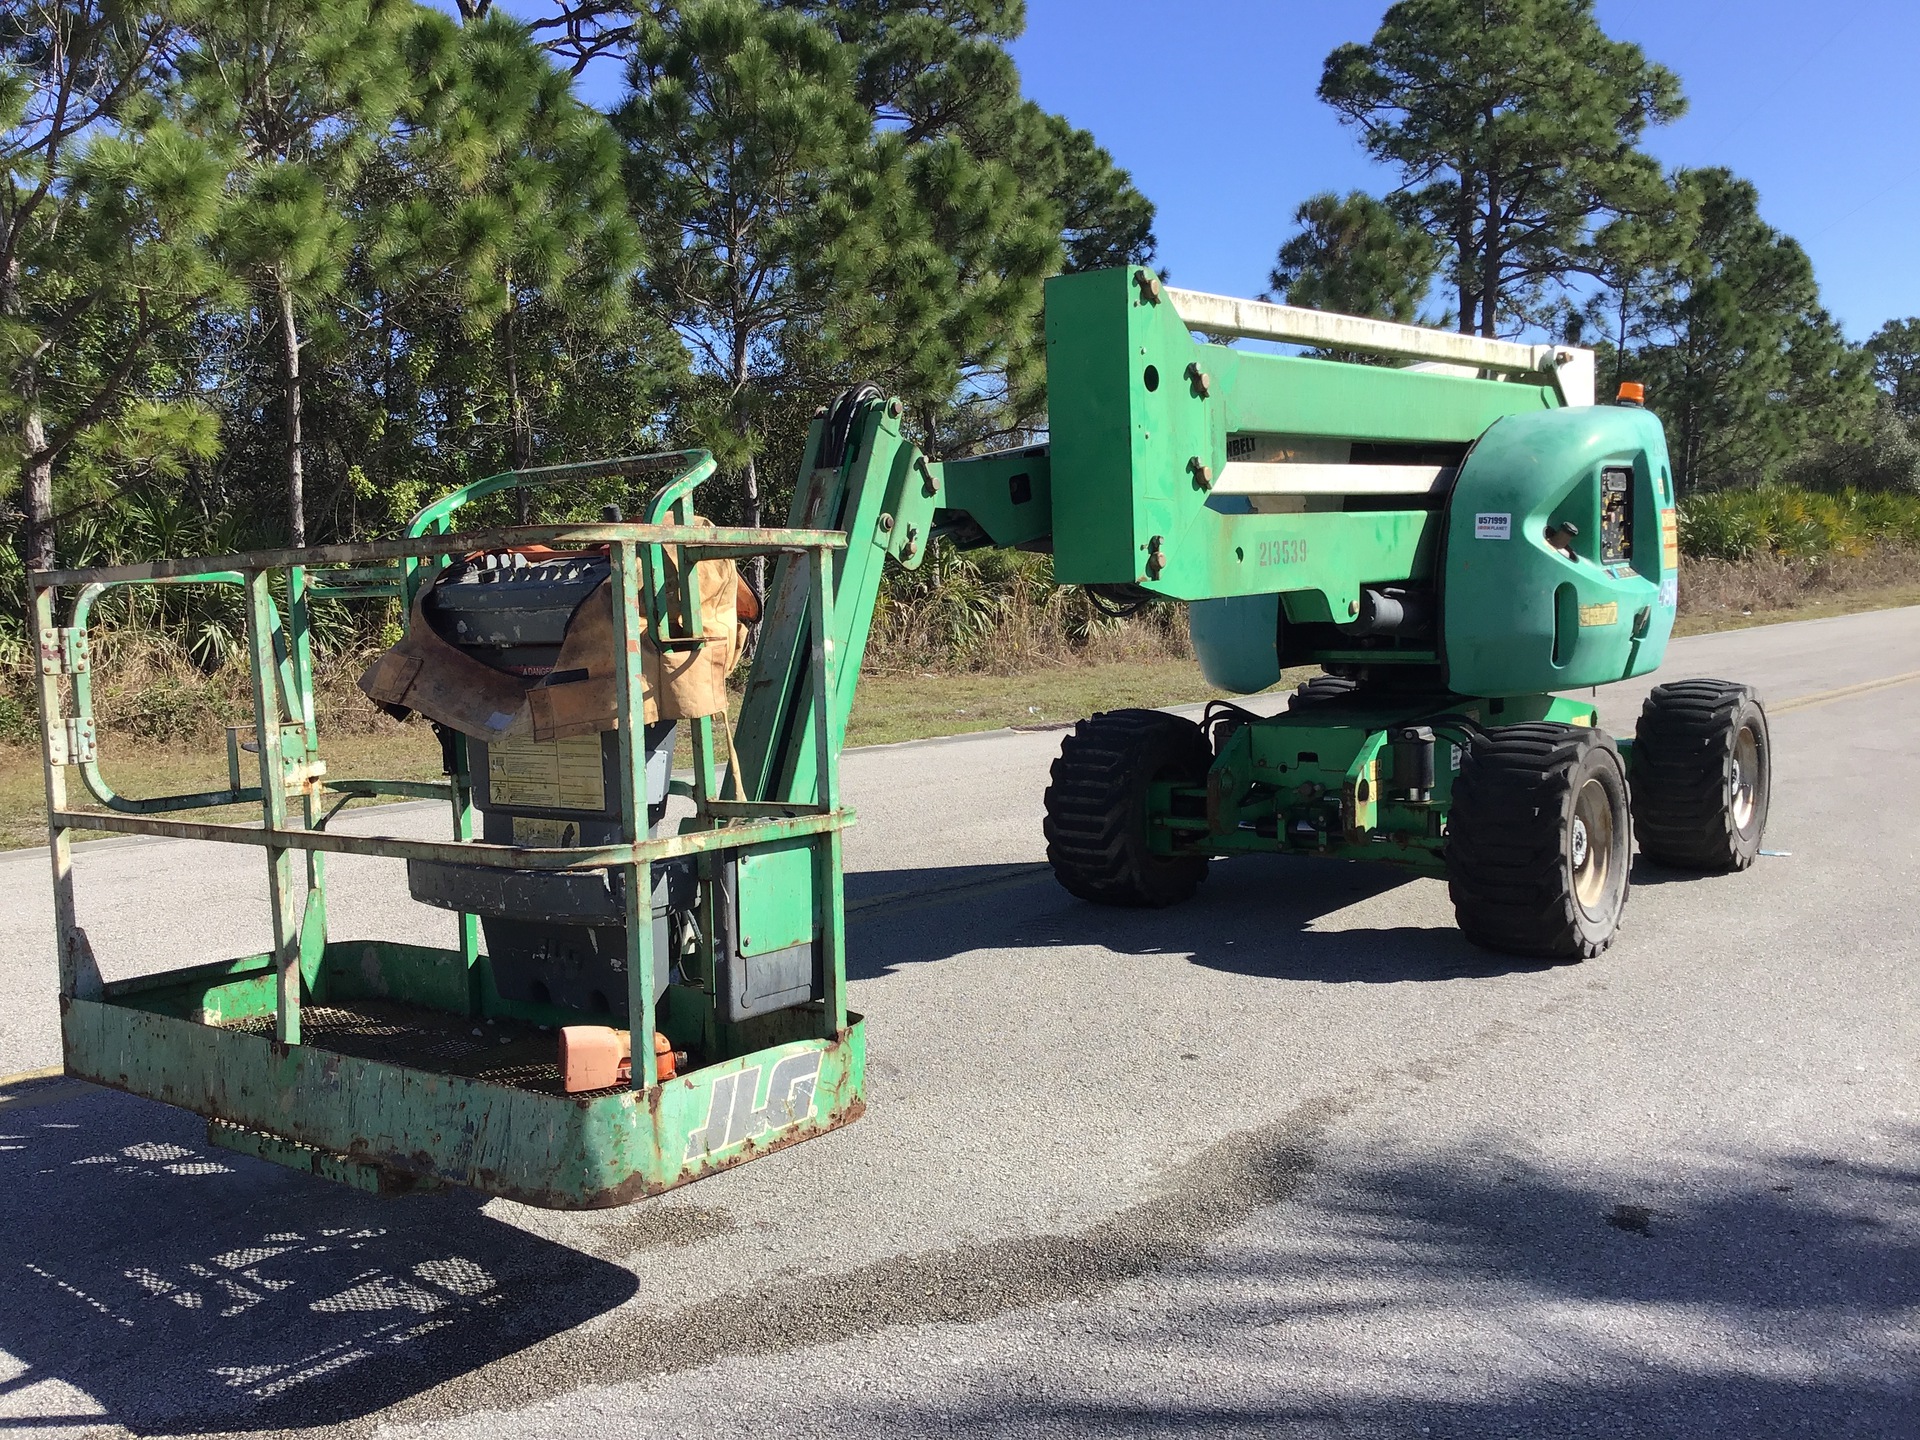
1539 840
1096 805
1702 775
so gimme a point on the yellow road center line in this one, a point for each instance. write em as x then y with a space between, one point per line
57 1094
27 1077
1845 692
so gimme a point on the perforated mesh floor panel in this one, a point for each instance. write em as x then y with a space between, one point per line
501 1052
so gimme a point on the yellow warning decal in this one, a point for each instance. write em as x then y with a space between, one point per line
551 774
1669 540
1607 614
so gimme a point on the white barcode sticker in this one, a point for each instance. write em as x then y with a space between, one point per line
1493 527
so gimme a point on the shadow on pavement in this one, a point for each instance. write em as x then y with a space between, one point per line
180 1288
1468 1298
1255 915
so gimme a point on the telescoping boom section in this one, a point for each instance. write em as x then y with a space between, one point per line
649 979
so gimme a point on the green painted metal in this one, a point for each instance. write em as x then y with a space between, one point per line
882 495
1314 781
345 1170
1522 615
238 1041
1138 409
1145 419
1008 495
776 897
1130 491
565 1152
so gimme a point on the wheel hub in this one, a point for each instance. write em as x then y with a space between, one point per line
1740 783
1590 848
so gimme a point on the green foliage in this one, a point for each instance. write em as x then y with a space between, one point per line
1514 126
741 118
1638 261
974 196
1796 524
1879 453
1895 348
325 259
298 94
1355 255
1740 359
19 721
107 209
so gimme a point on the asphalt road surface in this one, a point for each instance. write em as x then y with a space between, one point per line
1292 1160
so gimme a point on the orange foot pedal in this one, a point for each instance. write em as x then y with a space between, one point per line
598 1057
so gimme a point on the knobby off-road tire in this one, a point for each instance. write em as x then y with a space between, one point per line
1702 770
1320 689
1539 840
1096 823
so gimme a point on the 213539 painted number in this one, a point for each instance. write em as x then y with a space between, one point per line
1281 552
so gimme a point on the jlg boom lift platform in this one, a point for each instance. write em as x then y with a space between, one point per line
1457 542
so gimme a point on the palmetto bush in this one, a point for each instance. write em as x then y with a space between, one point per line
170 660
1787 523
1001 610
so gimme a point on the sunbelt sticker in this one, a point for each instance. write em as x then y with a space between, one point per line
1493 527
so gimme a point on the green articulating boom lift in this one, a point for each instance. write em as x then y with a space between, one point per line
1453 542
1457 540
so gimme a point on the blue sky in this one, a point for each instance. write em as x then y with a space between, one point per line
1210 104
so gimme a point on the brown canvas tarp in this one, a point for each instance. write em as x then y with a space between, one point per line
424 673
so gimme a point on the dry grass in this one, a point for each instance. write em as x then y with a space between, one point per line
1724 594
141 769
1015 625
164 720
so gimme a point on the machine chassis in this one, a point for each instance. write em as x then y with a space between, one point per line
1317 779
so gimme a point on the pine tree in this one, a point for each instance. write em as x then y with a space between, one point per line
972 198
520 211
301 93
1742 362
1354 255
739 121
106 206
1514 126
1895 348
